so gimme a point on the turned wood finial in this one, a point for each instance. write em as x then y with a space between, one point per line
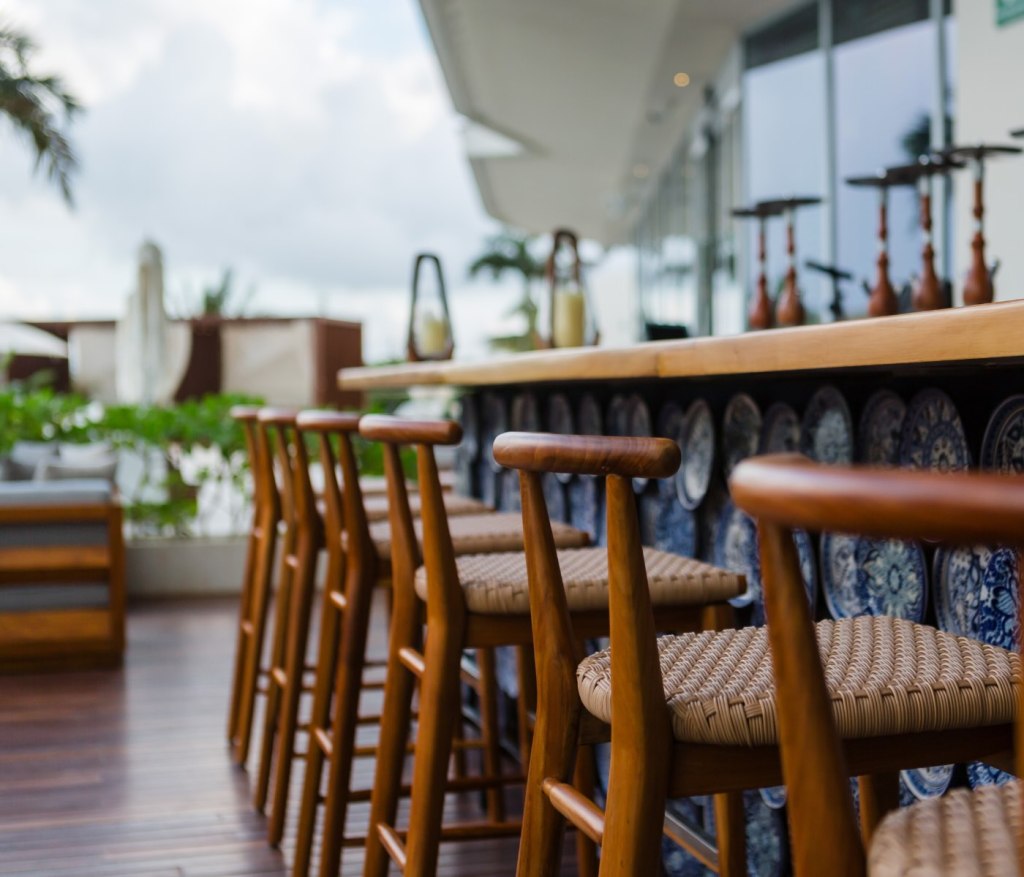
760 313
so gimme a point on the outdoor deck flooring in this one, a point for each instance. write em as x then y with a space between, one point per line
126 772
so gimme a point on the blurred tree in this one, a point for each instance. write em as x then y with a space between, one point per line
33 104
508 252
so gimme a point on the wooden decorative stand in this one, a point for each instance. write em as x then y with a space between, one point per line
760 315
789 310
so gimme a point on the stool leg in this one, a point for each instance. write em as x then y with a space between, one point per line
490 730
879 794
406 631
439 705
254 652
272 707
553 754
244 616
326 666
731 823
348 685
298 638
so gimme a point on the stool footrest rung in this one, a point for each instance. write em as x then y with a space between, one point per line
338 601
576 807
392 844
321 738
413 661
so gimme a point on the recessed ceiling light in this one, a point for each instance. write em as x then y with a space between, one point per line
681 79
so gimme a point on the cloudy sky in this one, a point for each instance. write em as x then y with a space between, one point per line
308 144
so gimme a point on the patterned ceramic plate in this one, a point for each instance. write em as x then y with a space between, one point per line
767 840
976 592
1002 449
509 500
669 421
709 518
617 416
495 422
928 782
560 420
639 425
667 525
586 507
826 433
487 478
878 434
588 418
697 444
780 433
774 797
863 576
525 414
554 497
933 434
741 431
736 549
979 774
469 417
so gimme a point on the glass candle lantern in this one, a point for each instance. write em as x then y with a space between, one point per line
430 326
572 317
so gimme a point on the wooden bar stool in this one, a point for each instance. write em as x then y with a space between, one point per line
256 584
475 601
359 555
302 542
695 713
908 679
304 517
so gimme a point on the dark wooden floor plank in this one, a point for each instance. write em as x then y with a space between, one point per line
110 773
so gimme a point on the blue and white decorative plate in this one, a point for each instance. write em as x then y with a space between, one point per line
667 425
741 431
675 528
774 797
980 774
554 498
709 517
863 576
881 423
697 444
469 417
767 838
588 417
933 434
780 433
736 549
487 479
617 415
1002 449
927 782
509 499
976 593
494 415
826 433
560 420
586 507
639 425
525 414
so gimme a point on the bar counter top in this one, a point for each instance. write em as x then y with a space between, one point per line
980 334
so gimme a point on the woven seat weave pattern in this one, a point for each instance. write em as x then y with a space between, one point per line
496 584
965 833
476 534
454 504
885 676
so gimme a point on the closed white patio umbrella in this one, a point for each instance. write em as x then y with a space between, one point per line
20 339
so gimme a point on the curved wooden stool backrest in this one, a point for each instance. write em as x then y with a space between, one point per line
438 554
640 719
788 492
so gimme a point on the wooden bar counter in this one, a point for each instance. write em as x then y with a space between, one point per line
940 390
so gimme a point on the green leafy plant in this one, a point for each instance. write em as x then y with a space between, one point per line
34 104
509 252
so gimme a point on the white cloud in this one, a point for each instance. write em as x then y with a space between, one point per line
309 144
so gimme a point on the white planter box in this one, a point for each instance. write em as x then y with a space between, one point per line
185 567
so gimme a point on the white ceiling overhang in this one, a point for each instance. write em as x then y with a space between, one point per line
568 101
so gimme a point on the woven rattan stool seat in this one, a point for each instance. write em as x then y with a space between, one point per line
496 584
476 534
885 675
965 833
454 504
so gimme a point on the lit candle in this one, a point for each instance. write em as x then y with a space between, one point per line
433 335
569 318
